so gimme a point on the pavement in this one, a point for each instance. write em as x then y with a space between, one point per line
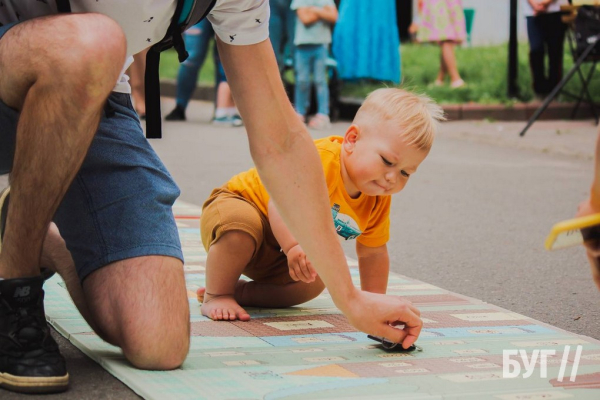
472 220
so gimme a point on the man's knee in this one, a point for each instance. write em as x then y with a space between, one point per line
83 53
140 304
157 351
94 48
80 54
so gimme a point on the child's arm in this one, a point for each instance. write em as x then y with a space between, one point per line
374 267
300 268
307 15
327 14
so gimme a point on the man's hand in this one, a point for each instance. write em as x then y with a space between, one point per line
592 247
300 268
388 316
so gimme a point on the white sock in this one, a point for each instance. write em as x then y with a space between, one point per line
220 113
231 111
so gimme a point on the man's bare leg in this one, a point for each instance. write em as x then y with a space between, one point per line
267 295
138 304
225 262
57 71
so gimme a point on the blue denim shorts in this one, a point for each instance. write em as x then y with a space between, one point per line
119 205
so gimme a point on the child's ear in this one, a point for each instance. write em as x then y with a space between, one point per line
351 137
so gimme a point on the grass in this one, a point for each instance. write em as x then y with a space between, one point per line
483 68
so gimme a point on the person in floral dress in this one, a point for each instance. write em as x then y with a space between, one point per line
443 22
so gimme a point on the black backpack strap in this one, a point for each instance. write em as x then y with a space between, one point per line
152 86
152 78
63 6
174 39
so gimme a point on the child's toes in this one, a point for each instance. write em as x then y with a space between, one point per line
244 316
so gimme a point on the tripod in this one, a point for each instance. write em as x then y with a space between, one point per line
576 68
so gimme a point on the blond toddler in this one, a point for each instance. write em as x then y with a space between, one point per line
243 232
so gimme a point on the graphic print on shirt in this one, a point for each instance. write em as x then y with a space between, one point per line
345 226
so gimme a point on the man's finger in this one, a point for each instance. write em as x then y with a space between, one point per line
412 327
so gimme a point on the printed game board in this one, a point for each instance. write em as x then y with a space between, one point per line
311 351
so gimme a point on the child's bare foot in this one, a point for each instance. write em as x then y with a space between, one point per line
221 308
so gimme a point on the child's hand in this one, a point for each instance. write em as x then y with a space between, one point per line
300 268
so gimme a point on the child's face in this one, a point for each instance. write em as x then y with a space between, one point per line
377 161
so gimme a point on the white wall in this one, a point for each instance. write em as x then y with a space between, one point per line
491 23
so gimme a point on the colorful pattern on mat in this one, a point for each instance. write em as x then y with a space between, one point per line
311 350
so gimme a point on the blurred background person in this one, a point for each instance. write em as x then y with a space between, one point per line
312 39
546 33
443 22
197 41
282 24
366 43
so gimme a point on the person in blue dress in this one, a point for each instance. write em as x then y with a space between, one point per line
365 41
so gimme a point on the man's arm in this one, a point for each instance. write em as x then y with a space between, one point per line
289 166
374 267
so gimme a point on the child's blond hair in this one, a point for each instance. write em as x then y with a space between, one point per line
417 114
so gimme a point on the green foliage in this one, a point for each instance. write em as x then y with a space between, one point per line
169 65
485 69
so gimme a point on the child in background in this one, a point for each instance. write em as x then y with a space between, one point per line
197 41
312 39
243 233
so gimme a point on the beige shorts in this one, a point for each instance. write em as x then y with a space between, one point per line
225 211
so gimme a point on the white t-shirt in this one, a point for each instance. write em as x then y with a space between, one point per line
145 22
552 7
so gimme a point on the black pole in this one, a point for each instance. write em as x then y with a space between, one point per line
513 58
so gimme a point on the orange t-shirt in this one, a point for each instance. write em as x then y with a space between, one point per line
366 218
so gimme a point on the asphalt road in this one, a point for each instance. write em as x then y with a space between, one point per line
472 220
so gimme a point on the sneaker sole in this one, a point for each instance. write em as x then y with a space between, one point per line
34 384
3 211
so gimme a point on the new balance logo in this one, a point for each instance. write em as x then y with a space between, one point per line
22 291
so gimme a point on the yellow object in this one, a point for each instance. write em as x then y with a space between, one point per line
586 2
573 232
